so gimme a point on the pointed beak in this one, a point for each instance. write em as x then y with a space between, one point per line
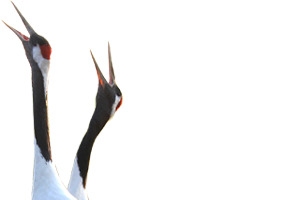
30 30
111 69
102 80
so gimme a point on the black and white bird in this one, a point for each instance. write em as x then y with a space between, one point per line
108 100
46 182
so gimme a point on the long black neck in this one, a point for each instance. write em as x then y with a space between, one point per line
41 125
97 123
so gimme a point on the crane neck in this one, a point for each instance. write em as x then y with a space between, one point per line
80 169
41 124
46 182
97 123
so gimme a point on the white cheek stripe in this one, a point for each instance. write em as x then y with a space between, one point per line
43 64
117 100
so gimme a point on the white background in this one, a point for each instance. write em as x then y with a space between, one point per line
204 85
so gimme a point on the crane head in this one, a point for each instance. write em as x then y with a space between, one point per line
109 96
37 47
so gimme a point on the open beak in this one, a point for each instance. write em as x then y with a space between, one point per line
20 35
101 77
111 69
102 80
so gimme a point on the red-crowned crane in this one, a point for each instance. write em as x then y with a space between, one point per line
108 100
46 182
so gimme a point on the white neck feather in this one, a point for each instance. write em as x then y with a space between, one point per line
46 182
76 187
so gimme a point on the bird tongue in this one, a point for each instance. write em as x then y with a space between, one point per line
23 36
